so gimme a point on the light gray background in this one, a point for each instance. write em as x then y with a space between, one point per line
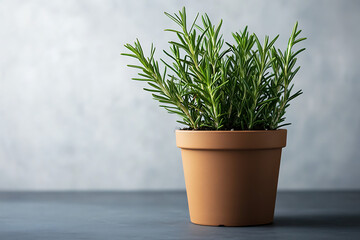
70 118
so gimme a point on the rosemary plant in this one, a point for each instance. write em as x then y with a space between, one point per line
246 85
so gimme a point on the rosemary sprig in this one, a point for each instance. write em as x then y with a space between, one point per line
242 86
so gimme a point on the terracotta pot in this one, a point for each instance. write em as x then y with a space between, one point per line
231 176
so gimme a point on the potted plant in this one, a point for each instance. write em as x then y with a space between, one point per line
232 97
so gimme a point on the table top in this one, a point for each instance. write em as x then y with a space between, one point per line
164 215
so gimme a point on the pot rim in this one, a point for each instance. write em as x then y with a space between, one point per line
231 140
229 131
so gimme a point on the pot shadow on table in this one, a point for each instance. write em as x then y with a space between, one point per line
318 221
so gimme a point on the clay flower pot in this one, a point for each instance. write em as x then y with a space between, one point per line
231 176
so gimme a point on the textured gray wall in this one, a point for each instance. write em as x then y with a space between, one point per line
70 118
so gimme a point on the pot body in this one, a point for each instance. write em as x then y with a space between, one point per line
231 176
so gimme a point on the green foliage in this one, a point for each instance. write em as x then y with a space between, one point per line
216 86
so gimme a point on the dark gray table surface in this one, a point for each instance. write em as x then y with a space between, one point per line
164 215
